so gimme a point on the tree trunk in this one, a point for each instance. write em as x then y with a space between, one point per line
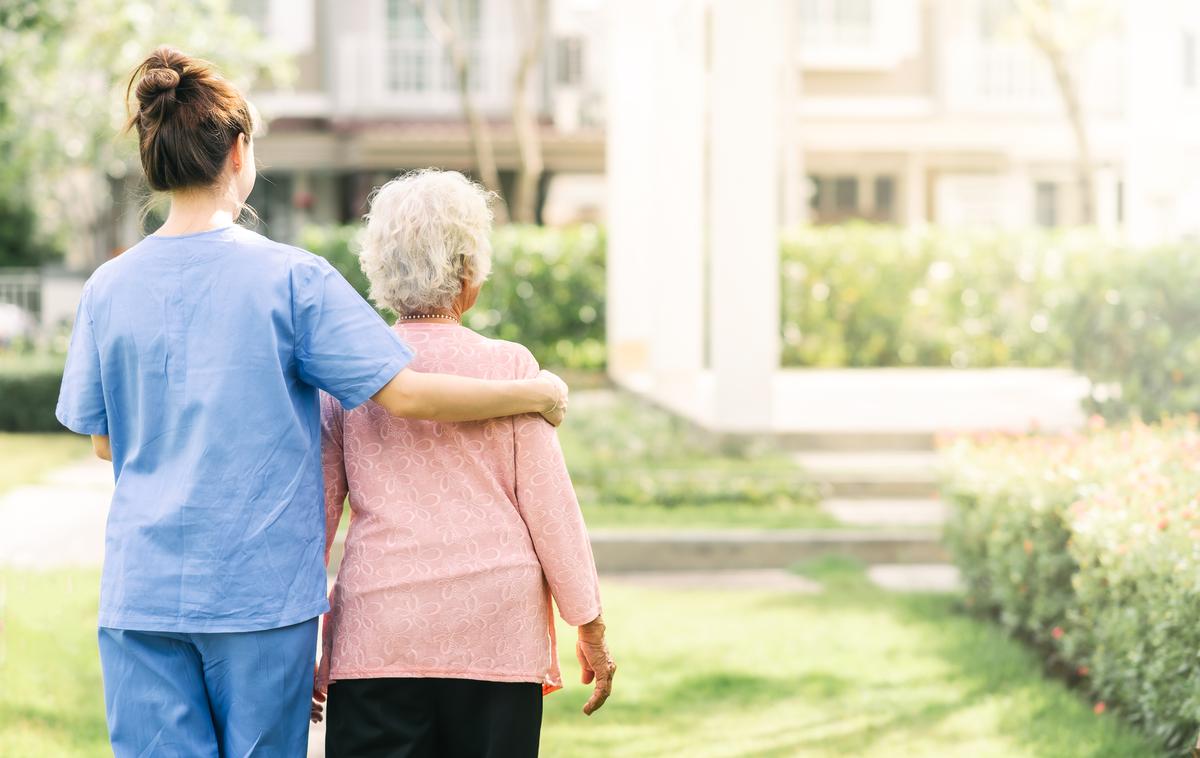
525 122
1043 38
1070 97
443 24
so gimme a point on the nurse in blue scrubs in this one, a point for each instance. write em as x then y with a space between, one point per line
195 364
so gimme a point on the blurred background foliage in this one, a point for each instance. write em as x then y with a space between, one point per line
868 296
64 65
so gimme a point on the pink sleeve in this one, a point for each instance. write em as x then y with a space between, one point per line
547 502
334 465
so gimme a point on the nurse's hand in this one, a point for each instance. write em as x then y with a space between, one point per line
558 394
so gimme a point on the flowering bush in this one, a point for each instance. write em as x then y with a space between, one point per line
1089 545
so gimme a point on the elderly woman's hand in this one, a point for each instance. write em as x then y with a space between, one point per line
557 389
596 662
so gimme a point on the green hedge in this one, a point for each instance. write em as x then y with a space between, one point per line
546 290
29 393
1086 545
874 296
868 296
1127 319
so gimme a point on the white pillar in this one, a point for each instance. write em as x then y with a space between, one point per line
631 197
743 219
676 179
913 196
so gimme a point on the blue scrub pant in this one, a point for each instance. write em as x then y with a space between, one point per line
176 695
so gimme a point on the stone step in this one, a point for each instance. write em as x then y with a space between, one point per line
926 512
894 474
892 465
753 549
851 441
920 577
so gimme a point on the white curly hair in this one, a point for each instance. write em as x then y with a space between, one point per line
426 232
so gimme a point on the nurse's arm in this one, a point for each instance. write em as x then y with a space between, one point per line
445 397
101 447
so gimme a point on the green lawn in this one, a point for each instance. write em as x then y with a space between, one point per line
25 458
850 672
51 701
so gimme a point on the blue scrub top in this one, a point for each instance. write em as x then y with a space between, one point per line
201 356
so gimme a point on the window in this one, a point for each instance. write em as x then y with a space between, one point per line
568 61
815 194
1189 60
1046 204
415 61
885 198
836 22
845 195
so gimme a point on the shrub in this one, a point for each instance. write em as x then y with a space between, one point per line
867 296
546 290
875 296
1086 545
29 393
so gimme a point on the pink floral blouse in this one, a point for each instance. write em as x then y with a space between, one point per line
460 534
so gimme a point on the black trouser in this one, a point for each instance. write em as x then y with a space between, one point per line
433 718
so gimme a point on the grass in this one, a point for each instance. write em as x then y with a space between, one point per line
26 458
51 701
636 466
847 672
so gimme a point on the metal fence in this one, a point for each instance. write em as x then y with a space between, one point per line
23 288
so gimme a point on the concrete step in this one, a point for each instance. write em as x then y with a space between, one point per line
754 549
852 441
930 577
923 512
894 474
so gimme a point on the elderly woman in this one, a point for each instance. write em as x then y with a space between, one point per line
440 641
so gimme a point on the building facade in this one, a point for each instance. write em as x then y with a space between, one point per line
376 95
729 120
942 111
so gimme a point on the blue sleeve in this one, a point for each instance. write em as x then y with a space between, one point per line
81 397
342 345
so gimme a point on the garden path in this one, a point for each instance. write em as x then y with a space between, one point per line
60 521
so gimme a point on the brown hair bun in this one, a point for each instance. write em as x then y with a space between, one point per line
156 83
187 119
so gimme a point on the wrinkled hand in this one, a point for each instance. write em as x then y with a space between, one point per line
318 710
558 390
596 662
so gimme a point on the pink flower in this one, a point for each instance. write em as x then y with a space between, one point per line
1099 708
1083 671
1057 632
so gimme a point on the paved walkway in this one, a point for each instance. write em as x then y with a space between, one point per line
59 522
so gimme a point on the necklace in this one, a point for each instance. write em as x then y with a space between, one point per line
415 316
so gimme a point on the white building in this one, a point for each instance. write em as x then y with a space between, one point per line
376 95
942 111
907 111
